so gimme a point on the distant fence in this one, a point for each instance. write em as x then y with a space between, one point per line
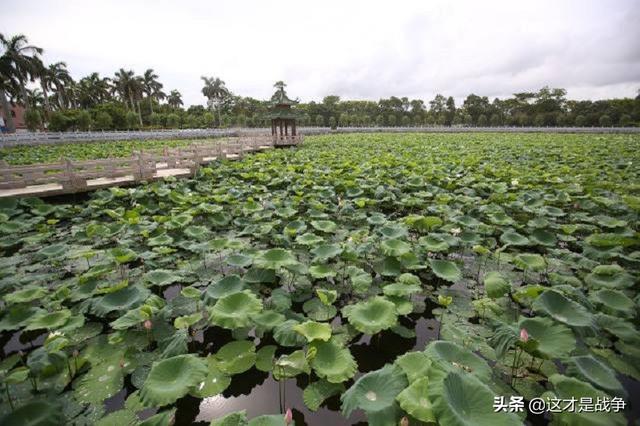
45 138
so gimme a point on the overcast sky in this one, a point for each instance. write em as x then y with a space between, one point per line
354 49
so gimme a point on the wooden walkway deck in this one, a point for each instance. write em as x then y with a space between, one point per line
68 177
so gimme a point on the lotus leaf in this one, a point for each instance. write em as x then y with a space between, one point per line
372 316
172 378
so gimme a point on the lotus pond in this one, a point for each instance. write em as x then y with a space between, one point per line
378 279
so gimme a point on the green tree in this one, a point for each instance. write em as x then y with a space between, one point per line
332 122
152 87
391 120
175 99
625 120
319 120
580 121
215 91
173 120
406 121
604 121
482 120
84 121
58 122
103 120
132 120
32 119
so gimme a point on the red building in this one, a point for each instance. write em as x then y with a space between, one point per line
17 112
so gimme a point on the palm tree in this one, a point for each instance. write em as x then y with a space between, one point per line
152 87
174 99
18 63
93 90
129 87
62 82
215 92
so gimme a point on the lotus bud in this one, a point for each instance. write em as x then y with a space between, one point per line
404 421
148 324
524 336
288 416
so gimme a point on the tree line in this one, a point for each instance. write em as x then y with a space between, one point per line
54 100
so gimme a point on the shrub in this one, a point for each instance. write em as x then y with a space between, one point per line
172 120
625 120
32 119
58 122
131 120
83 120
482 120
103 120
319 120
605 121
581 120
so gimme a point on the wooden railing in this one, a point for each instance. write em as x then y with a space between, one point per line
77 176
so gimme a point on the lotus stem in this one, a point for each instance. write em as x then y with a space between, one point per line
6 389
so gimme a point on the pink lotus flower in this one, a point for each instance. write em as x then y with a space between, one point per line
288 416
524 336
148 324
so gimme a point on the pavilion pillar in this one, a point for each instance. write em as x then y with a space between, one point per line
286 128
280 129
293 128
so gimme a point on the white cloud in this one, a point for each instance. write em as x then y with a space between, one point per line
356 49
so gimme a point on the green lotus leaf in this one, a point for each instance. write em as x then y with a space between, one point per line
235 310
228 285
160 240
317 392
237 418
187 321
289 366
236 357
543 237
415 401
446 270
609 240
389 267
394 230
285 335
280 300
464 400
324 225
57 250
414 364
35 413
25 294
18 315
569 387
275 259
268 319
48 320
239 261
198 232
163 418
327 297
374 391
162 277
191 293
395 247
123 255
401 290
377 219
496 285
403 305
122 300
619 327
321 271
554 340
615 301
318 311
295 227
514 239
172 378
371 316
590 369
325 252
333 362
312 330
562 309
434 243
265 357
530 262
609 276
309 239
452 357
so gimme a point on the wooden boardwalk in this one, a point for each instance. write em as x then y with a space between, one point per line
68 177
